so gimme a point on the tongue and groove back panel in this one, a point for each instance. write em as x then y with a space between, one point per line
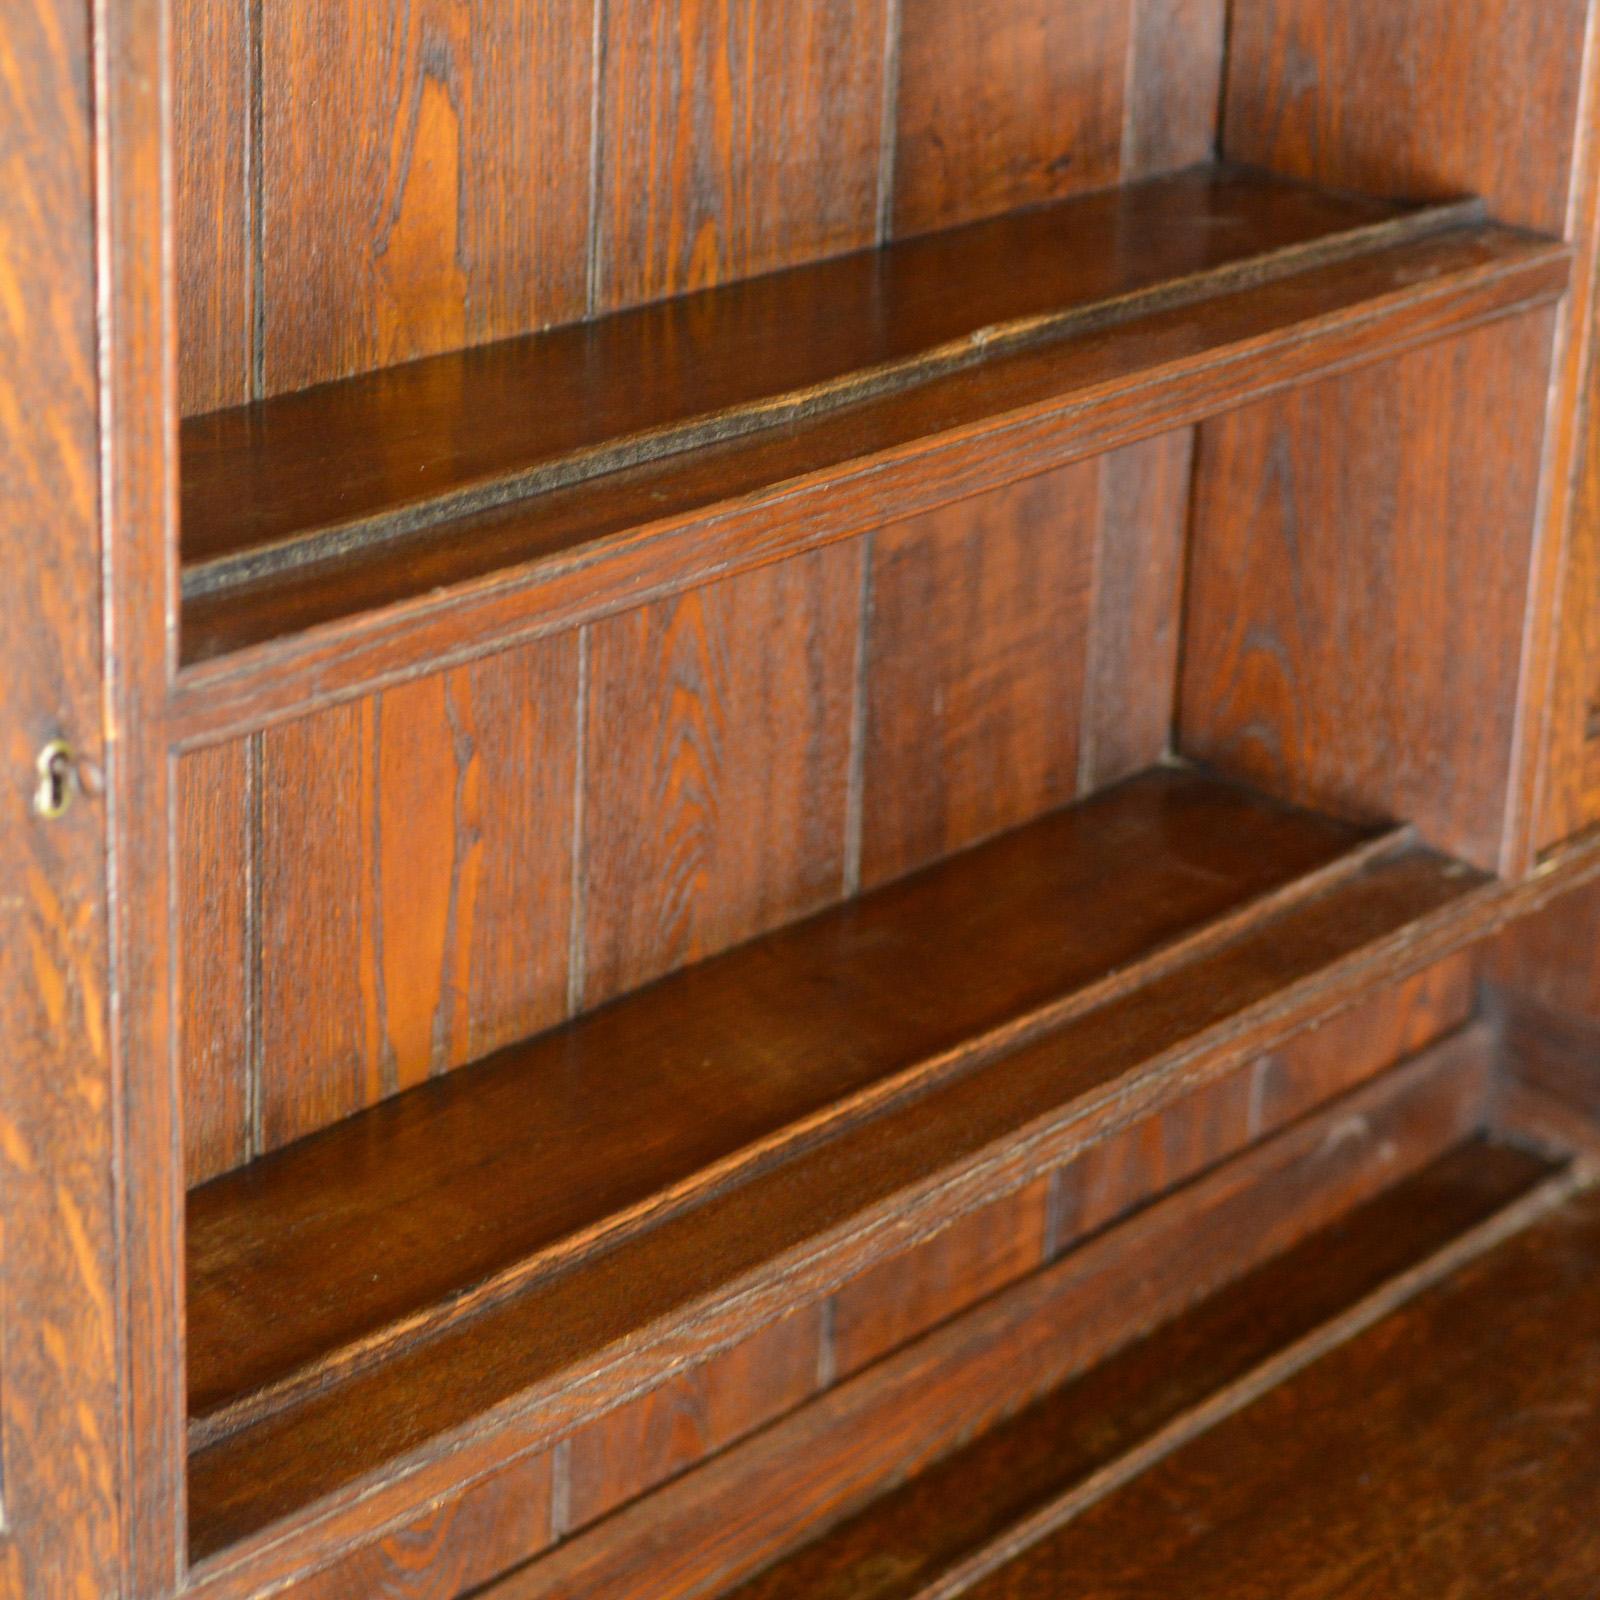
396 886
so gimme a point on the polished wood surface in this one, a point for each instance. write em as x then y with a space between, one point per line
562 1140
469 431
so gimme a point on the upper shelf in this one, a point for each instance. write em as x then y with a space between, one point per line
905 373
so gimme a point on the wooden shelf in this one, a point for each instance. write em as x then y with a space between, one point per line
952 1528
344 533
476 1264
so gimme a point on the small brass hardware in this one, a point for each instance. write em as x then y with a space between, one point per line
58 779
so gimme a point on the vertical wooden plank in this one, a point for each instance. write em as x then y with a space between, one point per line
975 1257
1131 682
216 790
1571 799
1006 105
1139 1162
212 181
716 757
1434 97
692 1416
1174 85
415 892
425 172
975 671
1359 578
59 1427
468 1540
1307 1071
737 138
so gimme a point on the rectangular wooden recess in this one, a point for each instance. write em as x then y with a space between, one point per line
1001 347
544 1233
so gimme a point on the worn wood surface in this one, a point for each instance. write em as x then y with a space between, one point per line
583 552
948 1516
647 1441
474 1182
975 1257
1466 1468
1339 534
592 1335
471 430
806 1475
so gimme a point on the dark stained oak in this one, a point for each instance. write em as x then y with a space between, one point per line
737 139
1339 533
597 1328
674 1427
468 1185
438 197
717 744
895 1421
304 475
596 546
1448 1450
944 1518
973 1258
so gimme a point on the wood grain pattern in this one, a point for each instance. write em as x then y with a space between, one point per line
1397 1021
214 243
523 1371
974 679
972 1259
479 1182
737 139
1131 679
581 553
917 1539
888 1424
383 455
1174 102
1338 533
1571 797
1465 1468
216 795
415 887
1123 1171
691 1417
469 1540
439 198
716 755
1005 106
1432 98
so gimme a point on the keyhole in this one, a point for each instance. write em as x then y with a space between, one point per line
58 779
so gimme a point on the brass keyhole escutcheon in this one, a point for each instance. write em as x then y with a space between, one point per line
58 780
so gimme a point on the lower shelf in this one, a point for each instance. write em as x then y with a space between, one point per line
971 1462
393 1305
